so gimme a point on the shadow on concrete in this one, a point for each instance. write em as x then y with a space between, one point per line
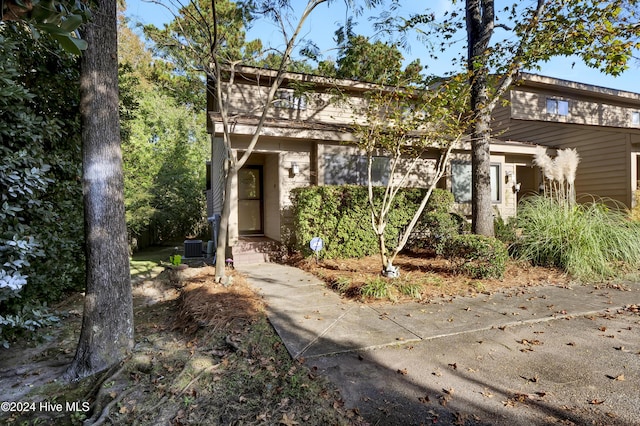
395 368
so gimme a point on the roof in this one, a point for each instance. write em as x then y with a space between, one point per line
577 88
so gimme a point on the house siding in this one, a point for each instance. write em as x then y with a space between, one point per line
323 107
598 126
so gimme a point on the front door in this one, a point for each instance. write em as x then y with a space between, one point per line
250 201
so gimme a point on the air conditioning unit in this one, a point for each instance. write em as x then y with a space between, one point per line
192 248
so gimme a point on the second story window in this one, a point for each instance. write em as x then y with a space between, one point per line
286 98
635 118
557 106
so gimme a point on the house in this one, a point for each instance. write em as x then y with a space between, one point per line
307 140
602 124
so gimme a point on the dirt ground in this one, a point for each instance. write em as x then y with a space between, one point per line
433 276
204 354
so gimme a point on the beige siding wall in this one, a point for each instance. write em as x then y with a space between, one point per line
248 100
531 105
604 157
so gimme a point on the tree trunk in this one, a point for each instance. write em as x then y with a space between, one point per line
106 336
480 24
223 233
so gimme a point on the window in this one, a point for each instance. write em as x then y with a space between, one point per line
635 118
557 107
352 169
461 182
286 98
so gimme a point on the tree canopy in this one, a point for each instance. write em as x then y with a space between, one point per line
58 18
373 62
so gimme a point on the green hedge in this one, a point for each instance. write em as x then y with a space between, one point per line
340 215
476 255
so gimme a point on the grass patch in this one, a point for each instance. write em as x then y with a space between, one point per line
376 288
147 263
410 288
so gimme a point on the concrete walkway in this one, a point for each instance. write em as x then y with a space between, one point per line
539 355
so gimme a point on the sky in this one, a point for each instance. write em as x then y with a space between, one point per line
323 22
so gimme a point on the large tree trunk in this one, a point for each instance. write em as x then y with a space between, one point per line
106 336
480 24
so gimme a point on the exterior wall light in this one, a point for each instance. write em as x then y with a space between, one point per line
295 168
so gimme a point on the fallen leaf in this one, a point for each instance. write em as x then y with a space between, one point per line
619 378
403 371
596 401
486 394
424 399
603 328
453 366
286 420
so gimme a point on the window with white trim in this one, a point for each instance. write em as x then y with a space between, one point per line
461 181
635 118
340 169
557 106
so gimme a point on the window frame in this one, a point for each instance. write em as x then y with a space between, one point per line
287 99
357 166
558 107
635 118
497 190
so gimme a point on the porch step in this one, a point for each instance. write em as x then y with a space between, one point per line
249 250
248 258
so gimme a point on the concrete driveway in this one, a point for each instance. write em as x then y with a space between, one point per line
535 356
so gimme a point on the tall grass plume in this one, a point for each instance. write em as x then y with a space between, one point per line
559 173
589 241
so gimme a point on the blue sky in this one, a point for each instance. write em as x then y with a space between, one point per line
324 20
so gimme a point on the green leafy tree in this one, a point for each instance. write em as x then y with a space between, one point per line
186 45
163 178
59 19
502 41
402 123
40 198
164 142
374 62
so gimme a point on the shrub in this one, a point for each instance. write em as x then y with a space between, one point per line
476 255
41 215
24 322
589 241
340 215
433 230
440 201
505 231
